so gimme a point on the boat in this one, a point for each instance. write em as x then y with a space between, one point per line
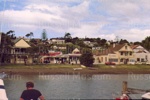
146 96
3 95
124 97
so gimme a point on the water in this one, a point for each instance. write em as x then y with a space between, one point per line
76 86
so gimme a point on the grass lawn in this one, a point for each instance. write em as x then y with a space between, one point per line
123 66
100 66
20 66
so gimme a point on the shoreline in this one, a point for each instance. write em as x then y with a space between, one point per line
71 71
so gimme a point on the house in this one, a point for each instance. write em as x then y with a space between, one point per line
89 43
141 55
19 52
54 57
57 41
117 53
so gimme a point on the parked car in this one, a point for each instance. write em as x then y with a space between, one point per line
110 63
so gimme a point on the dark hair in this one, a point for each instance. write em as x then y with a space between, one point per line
29 84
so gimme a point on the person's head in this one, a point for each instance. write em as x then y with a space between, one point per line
29 84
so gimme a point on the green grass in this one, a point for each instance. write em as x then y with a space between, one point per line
123 66
100 66
20 66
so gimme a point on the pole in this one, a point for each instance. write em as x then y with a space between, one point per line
124 87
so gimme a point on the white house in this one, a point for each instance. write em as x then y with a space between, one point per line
58 41
141 55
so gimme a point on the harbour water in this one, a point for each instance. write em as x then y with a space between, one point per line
69 87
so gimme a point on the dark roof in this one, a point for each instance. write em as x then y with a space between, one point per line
16 40
112 49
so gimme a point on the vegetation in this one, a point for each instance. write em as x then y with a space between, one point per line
6 44
29 35
87 59
44 35
39 46
146 43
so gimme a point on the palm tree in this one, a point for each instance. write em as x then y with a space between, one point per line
27 35
31 34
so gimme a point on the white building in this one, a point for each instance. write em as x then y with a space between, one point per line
141 55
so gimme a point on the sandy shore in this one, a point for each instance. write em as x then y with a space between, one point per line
71 71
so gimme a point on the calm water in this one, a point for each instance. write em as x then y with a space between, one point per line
76 86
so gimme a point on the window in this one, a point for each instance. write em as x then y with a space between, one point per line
102 59
126 47
106 59
142 59
130 53
113 60
121 53
138 59
121 60
126 53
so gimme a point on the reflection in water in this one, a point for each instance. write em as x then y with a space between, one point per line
75 86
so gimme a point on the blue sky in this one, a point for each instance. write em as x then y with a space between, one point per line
127 19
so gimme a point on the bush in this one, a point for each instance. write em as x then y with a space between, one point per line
87 59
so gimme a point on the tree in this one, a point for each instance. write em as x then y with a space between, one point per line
146 43
6 43
29 35
123 41
87 59
44 35
68 37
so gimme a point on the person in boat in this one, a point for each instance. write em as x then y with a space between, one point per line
30 93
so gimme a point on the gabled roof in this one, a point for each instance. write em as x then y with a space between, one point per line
111 49
76 50
18 39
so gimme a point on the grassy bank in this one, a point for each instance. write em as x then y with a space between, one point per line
67 68
99 66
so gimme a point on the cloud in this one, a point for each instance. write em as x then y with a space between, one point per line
102 18
133 34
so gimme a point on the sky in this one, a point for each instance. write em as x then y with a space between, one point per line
108 19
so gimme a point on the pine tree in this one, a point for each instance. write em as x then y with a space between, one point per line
44 35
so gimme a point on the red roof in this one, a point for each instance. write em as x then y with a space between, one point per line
54 53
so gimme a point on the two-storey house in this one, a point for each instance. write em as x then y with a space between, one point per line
19 52
117 53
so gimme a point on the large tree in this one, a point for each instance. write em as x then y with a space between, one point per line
87 59
5 45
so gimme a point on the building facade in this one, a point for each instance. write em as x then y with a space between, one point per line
117 53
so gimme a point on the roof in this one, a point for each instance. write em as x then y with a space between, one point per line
76 50
134 46
112 49
18 39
